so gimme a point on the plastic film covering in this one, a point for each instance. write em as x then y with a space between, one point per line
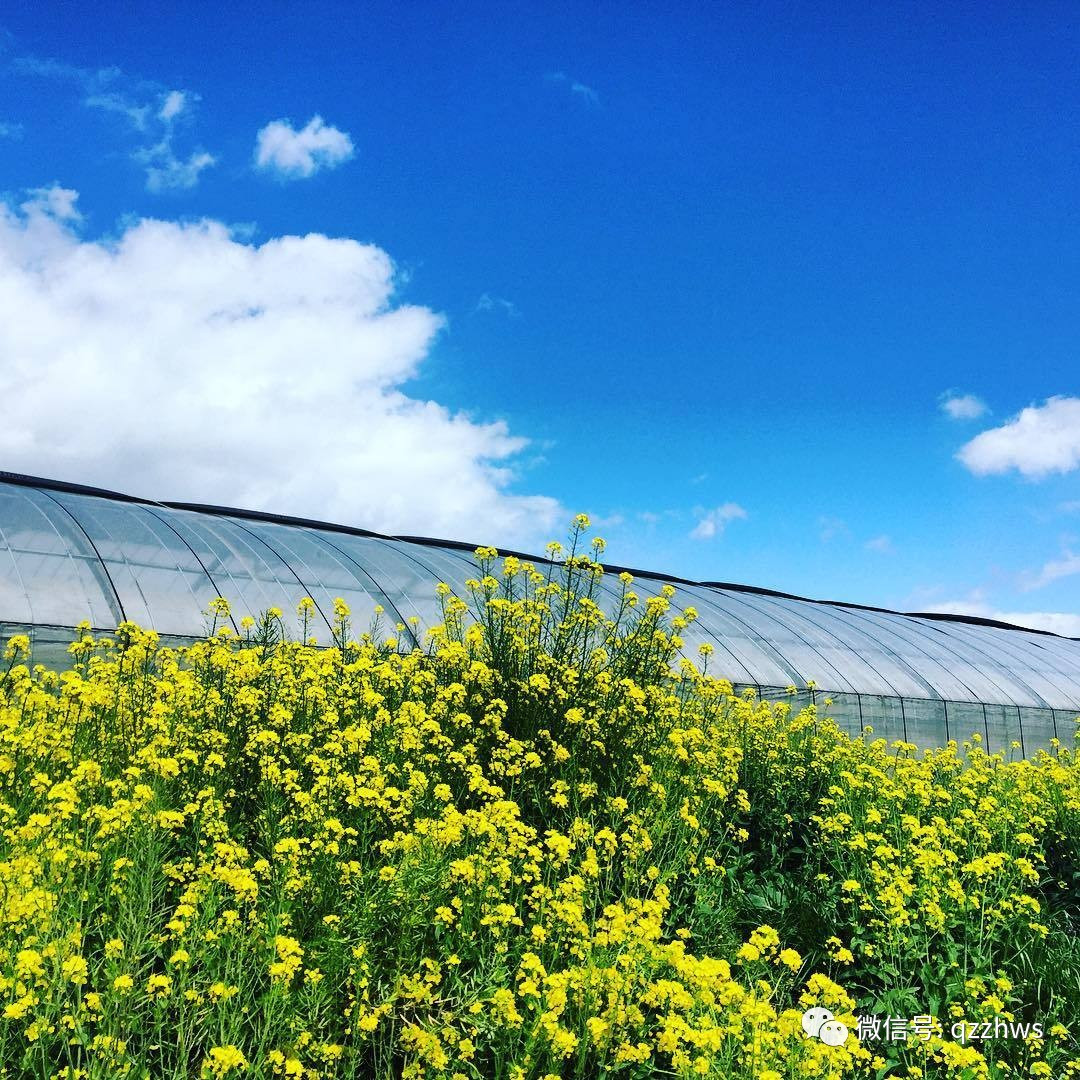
956 671
1039 654
70 554
248 573
1029 678
50 573
963 720
764 661
863 658
325 573
158 579
1038 727
405 584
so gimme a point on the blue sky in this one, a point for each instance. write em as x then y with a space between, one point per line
783 296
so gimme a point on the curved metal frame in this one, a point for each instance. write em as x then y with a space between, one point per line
1028 671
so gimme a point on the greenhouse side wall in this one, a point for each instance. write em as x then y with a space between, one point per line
1012 730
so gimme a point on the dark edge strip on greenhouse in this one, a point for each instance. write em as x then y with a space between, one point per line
25 480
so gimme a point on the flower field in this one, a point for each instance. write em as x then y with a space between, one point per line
544 846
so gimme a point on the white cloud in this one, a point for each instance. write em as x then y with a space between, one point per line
487 302
141 113
165 171
1057 622
108 89
150 109
138 115
54 202
882 544
174 104
962 406
713 522
607 521
654 517
1042 439
180 361
49 68
586 93
294 154
10 131
831 527
1052 571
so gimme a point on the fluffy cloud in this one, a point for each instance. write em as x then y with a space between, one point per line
608 521
1057 622
10 131
179 361
138 115
831 527
585 93
487 302
1042 439
175 103
150 109
882 544
294 154
962 406
1052 571
52 202
164 170
713 522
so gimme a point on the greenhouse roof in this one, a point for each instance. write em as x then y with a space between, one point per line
70 553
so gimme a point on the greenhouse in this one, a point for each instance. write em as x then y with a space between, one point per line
70 554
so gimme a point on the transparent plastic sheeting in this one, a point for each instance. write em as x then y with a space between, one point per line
68 556
1014 730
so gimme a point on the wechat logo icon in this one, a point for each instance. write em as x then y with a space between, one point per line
821 1024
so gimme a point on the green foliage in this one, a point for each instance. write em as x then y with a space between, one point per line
542 845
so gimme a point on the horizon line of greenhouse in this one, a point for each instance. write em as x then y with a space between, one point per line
461 545
71 553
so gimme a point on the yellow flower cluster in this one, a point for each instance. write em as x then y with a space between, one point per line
539 847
